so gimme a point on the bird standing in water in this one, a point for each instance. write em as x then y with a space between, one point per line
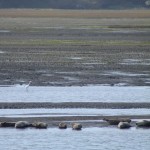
27 86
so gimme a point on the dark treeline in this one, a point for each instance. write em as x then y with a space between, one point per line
75 4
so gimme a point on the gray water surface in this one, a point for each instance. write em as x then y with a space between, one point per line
75 94
71 112
86 139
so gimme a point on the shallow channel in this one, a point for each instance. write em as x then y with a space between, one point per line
71 112
18 93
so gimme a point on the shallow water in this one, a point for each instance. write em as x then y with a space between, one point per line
4 31
135 62
70 112
120 73
88 138
1 52
75 94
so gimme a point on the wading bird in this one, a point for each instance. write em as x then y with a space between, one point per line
27 86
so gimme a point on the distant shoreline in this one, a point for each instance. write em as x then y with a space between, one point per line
74 13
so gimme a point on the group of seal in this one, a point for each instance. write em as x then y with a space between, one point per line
24 124
124 123
38 125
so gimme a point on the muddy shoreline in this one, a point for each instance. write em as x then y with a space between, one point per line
98 105
85 120
74 52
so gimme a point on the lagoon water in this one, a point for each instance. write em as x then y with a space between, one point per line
86 139
102 138
70 112
18 93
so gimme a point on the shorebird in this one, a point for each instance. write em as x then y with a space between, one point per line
27 86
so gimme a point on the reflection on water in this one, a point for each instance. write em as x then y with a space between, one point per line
71 112
87 139
75 94
136 62
121 73
4 31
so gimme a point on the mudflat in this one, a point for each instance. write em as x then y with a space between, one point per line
86 47
68 48
63 105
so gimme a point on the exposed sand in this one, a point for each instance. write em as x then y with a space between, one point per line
86 121
99 105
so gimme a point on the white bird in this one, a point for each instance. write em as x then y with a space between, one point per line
27 86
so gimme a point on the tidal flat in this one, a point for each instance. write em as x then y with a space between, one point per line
85 65
42 46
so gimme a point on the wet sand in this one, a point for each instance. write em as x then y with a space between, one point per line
86 121
99 105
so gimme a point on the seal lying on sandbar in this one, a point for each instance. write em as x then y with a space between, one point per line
115 121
